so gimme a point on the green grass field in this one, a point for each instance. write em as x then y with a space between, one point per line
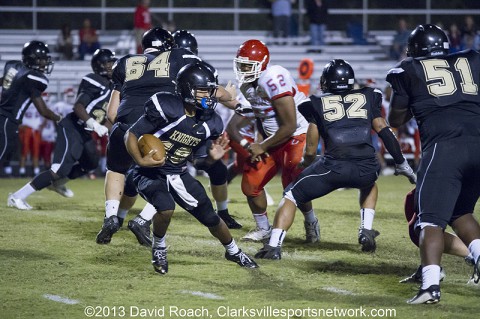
52 268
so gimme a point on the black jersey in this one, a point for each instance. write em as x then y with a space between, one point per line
138 76
94 93
184 137
19 85
344 121
442 93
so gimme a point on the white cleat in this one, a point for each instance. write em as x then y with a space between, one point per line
258 234
17 203
62 190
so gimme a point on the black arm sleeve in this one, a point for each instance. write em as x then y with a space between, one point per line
391 144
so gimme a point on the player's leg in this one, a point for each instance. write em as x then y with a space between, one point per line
366 234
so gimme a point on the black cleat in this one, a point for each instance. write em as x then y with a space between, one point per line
110 226
366 238
476 273
228 219
428 296
141 229
159 260
242 259
269 252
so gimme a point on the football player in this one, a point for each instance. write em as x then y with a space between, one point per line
343 117
75 153
23 83
274 97
187 124
440 90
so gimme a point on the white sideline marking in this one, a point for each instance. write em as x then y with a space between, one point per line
202 294
338 291
61 299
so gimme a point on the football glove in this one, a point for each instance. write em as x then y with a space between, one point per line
93 125
243 109
405 170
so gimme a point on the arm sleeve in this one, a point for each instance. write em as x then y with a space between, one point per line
142 126
391 144
306 109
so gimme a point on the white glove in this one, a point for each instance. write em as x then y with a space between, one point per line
405 170
243 109
93 125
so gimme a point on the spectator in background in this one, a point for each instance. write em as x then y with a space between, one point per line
282 15
88 40
397 50
142 22
469 32
317 12
455 37
65 42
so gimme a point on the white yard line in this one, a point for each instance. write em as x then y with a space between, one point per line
338 291
202 294
56 298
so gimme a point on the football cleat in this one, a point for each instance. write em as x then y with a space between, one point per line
60 188
241 259
312 231
416 277
366 238
258 235
18 203
228 219
269 252
110 226
141 229
428 296
476 274
159 260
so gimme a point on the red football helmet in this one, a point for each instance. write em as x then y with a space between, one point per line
251 60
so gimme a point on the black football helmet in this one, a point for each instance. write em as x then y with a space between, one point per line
427 40
158 39
197 77
185 39
102 62
36 55
337 75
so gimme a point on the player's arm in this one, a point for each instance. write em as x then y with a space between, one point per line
112 107
233 129
142 126
311 145
44 110
399 112
91 124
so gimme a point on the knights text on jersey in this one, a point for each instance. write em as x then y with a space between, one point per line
184 136
344 121
138 76
275 82
441 92
19 85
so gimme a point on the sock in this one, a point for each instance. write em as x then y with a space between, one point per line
430 276
148 212
159 242
474 249
122 213
111 207
8 170
22 171
278 235
223 205
262 221
24 192
366 218
232 247
310 216
36 170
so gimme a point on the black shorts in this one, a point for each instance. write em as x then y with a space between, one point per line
130 189
8 138
73 146
319 179
118 158
448 181
163 191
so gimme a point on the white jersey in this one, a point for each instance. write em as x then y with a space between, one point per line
275 82
32 118
63 108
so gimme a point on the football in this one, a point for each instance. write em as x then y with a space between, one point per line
148 142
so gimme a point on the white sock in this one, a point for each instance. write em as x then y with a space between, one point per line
148 211
122 213
8 170
366 218
262 221
474 249
232 248
111 207
310 216
277 237
36 171
22 170
159 242
24 192
430 276
222 205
